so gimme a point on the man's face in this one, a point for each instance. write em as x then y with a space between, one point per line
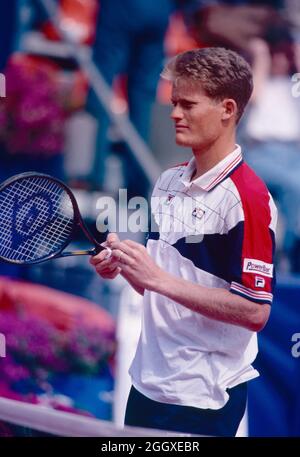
197 118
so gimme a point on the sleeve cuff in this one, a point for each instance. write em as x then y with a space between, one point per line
253 295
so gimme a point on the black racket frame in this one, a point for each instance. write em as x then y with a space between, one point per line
76 223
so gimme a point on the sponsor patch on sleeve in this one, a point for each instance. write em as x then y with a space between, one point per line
260 282
258 267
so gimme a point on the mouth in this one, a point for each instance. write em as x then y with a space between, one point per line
179 128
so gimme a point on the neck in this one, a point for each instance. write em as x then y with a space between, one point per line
208 156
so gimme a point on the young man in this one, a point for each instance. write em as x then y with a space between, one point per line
207 279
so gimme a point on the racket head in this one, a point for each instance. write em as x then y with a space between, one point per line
38 216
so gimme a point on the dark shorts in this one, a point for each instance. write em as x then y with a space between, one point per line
143 412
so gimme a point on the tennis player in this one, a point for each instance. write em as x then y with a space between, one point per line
207 281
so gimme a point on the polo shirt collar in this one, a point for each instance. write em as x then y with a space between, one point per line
215 175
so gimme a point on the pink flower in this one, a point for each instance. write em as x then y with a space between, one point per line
35 344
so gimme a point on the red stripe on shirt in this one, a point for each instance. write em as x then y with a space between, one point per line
257 240
224 172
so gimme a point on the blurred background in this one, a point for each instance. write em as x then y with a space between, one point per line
84 102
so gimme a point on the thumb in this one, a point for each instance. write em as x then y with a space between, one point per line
112 238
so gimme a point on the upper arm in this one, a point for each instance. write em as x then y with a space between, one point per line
251 249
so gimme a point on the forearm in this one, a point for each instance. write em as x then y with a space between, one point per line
214 303
142 272
261 66
140 290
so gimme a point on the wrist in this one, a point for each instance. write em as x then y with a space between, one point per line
159 282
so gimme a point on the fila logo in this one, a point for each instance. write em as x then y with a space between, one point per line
198 212
259 282
169 198
257 266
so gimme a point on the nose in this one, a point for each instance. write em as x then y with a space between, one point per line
176 113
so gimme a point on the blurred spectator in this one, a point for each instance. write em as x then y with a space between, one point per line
231 23
292 12
129 41
271 135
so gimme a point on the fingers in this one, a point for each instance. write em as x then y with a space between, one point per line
134 245
129 247
123 255
105 265
112 238
126 249
108 267
122 258
105 254
127 252
109 273
95 259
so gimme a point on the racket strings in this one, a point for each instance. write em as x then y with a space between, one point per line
27 247
36 219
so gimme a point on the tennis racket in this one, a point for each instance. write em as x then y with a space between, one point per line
39 216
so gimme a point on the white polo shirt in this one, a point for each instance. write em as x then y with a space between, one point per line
216 231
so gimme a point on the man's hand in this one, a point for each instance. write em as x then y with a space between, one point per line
138 268
107 268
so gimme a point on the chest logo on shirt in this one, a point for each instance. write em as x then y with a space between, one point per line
198 213
169 199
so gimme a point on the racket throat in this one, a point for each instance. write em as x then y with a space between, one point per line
79 252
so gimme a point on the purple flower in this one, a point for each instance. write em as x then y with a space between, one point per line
33 114
35 343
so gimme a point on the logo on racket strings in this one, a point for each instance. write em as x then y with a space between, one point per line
31 217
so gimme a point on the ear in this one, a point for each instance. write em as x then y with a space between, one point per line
229 109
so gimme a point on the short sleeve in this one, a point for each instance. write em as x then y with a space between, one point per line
251 245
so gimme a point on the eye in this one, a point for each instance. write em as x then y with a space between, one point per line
187 105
